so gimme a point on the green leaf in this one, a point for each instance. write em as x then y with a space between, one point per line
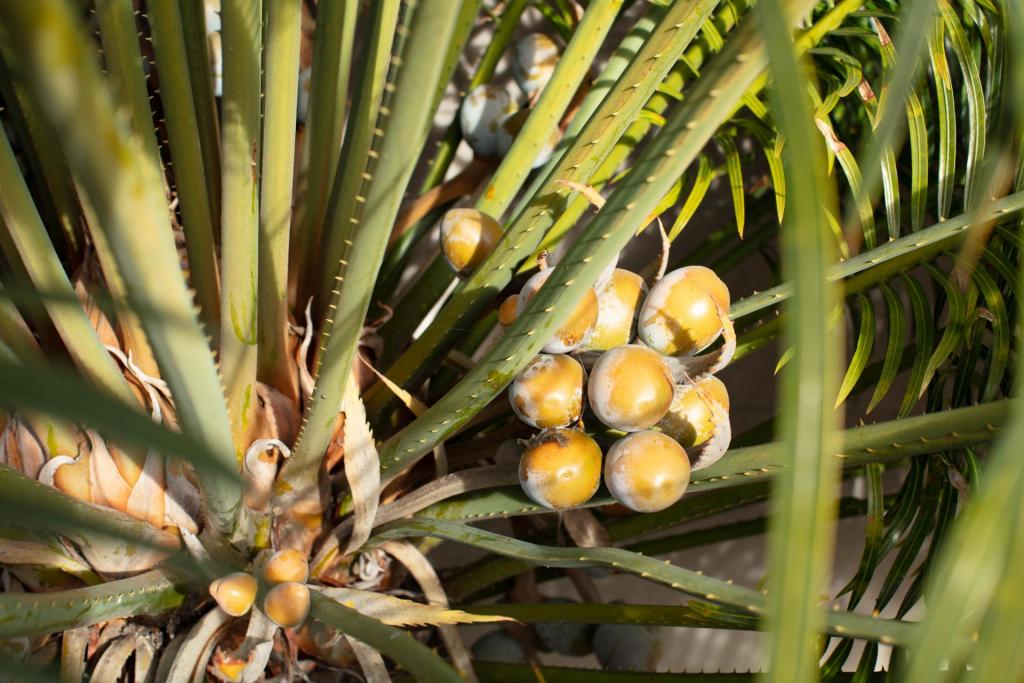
1000 650
24 240
735 173
424 664
126 73
965 590
701 182
1000 332
180 98
33 614
968 570
57 203
975 101
320 252
916 19
325 125
916 127
923 331
894 346
677 578
862 352
946 515
803 501
197 49
946 114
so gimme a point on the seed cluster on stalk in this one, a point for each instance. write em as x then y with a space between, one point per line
645 386
647 382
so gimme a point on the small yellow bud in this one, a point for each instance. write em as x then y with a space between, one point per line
287 604
234 593
286 566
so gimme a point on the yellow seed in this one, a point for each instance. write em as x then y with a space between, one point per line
561 469
548 392
691 419
618 303
468 237
287 604
681 314
647 471
285 566
630 388
234 593
575 326
507 311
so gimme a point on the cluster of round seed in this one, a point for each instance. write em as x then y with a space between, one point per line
286 602
629 337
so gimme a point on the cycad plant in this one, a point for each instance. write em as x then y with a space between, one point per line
283 333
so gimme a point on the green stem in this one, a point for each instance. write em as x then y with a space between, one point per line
242 31
284 30
325 124
197 50
191 179
677 578
321 259
890 258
